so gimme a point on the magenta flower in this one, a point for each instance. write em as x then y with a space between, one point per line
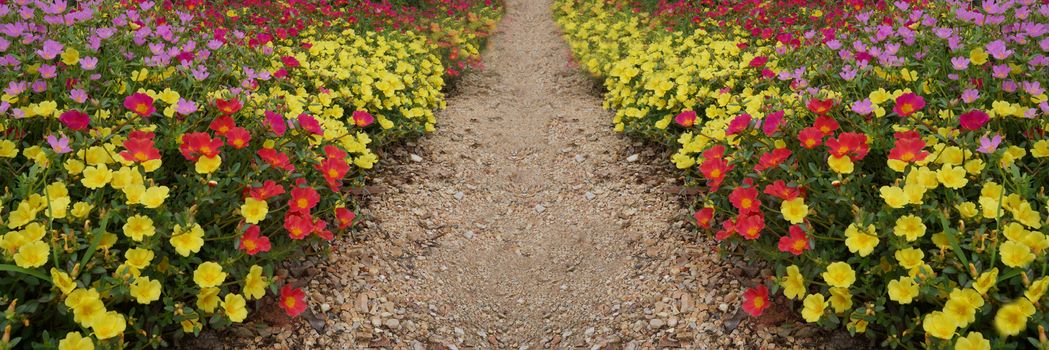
989 145
863 107
310 124
973 120
362 119
998 50
908 103
60 145
50 50
74 119
772 122
740 123
140 104
686 119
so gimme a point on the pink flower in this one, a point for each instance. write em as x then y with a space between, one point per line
686 119
973 120
75 120
908 103
740 123
276 123
362 118
140 104
309 123
771 123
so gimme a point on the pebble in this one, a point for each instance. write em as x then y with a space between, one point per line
393 323
590 195
468 234
416 158
459 195
579 158
633 158
539 208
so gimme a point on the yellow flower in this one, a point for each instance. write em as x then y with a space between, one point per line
840 165
939 324
138 258
86 305
967 209
81 209
894 196
1015 254
794 210
145 291
191 326
975 166
909 226
974 341
208 165
839 274
1037 289
986 280
1011 319
75 341
903 290
793 284
139 226
62 280
96 177
187 241
952 176
815 306
860 242
70 56
109 325
840 299
234 307
978 56
208 299
910 258
154 196
858 326
255 284
254 210
33 254
8 149
209 274
962 306
1040 149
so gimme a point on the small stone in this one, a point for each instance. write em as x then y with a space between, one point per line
579 158
393 323
656 323
539 208
416 158
633 158
459 195
590 195
468 234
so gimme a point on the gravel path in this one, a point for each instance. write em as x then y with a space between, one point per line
525 222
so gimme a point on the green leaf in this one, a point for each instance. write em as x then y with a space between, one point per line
34 273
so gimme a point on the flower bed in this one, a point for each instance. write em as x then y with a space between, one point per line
159 159
888 163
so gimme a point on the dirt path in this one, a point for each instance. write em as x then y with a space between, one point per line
524 222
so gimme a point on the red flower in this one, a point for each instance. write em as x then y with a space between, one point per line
310 124
745 199
333 170
238 137
849 144
796 242
140 104
826 125
756 300
772 159
739 123
334 152
228 107
75 120
717 151
345 217
362 119
686 119
222 125
196 144
269 189
289 61
140 149
703 217
908 150
714 170
276 159
292 300
820 107
908 103
779 189
303 199
320 228
973 120
750 226
728 228
253 243
299 226
810 137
